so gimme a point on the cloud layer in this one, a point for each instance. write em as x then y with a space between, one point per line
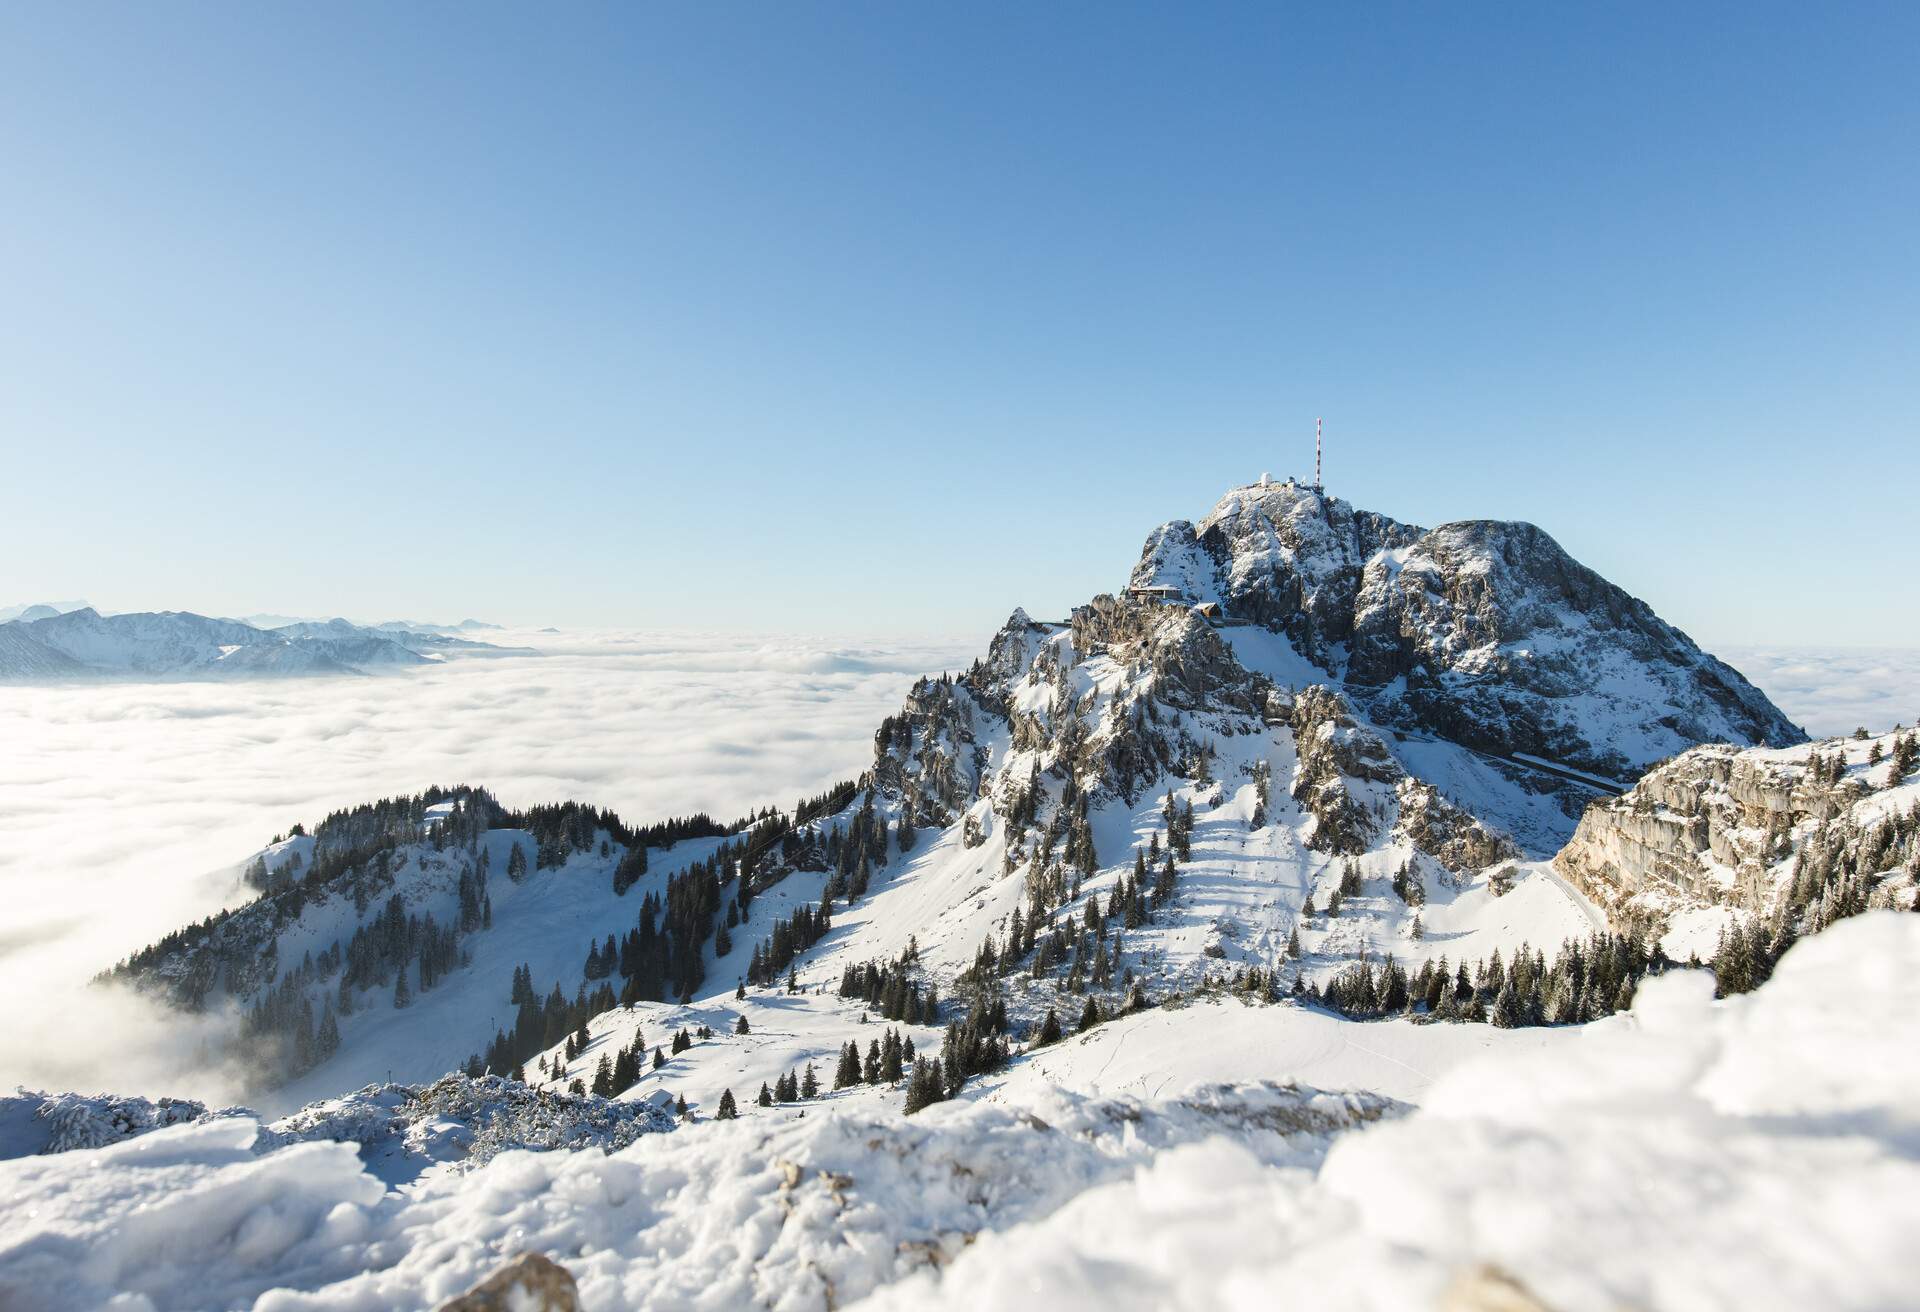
1834 690
125 810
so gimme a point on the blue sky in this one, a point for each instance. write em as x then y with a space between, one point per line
858 318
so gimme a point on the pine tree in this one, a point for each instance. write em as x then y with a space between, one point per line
846 1073
603 1077
726 1111
402 995
810 1082
328 1041
1906 748
1734 963
741 1026
926 1086
1507 1010
1049 1029
1089 1015
659 1059
766 1095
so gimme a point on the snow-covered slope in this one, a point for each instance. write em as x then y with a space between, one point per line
22 656
1754 1152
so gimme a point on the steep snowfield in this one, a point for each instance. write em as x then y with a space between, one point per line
1757 1152
545 923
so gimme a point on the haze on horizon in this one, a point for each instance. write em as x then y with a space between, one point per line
886 320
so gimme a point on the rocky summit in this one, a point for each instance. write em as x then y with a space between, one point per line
1483 633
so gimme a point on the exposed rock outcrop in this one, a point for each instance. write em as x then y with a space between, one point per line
530 1282
1446 832
1720 826
928 755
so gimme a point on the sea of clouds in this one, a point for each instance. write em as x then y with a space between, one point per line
127 810
1835 690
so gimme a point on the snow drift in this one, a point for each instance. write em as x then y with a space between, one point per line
1754 1152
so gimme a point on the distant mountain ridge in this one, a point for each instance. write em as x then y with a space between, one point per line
84 644
38 610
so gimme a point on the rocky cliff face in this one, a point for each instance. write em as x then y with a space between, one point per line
1483 633
1751 830
1283 557
1136 695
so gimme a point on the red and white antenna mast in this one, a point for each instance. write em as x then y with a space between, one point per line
1316 455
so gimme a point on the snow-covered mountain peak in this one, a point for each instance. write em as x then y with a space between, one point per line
1482 632
1282 555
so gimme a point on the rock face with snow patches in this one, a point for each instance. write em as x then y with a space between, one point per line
1818 831
1484 633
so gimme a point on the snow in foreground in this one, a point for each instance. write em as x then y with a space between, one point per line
1758 1152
